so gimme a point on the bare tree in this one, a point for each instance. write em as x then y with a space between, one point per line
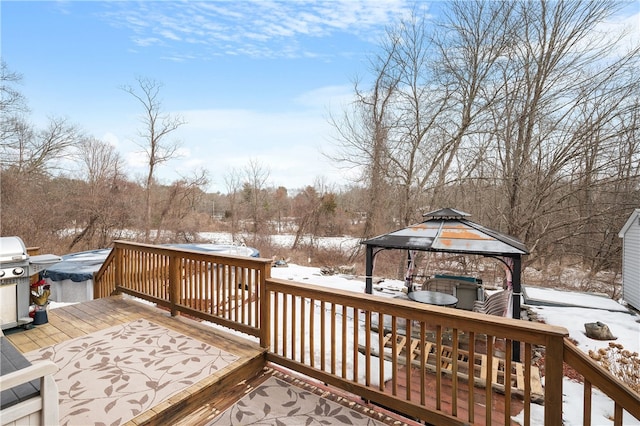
469 44
254 194
30 150
414 147
306 206
12 104
157 126
363 137
428 95
233 182
281 204
11 99
178 210
101 203
524 111
562 90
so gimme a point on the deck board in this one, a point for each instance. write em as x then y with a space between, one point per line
80 319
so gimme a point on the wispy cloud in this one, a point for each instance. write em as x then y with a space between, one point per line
255 28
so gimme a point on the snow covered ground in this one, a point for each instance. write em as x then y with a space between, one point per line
286 240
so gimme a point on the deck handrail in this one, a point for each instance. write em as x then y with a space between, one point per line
198 284
340 349
220 288
104 283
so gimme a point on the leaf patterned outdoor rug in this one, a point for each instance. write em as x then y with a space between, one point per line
111 376
276 402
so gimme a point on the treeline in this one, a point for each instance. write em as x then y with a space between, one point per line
64 215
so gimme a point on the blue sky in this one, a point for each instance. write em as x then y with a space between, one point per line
254 80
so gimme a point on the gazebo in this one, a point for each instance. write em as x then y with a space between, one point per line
448 231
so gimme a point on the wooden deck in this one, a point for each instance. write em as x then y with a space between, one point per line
200 403
194 405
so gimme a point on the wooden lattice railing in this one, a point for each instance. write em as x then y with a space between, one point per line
331 334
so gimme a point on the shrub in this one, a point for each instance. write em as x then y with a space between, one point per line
622 363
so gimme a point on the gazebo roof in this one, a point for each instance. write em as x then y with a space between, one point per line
447 230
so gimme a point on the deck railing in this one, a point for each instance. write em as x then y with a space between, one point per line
214 287
439 365
338 336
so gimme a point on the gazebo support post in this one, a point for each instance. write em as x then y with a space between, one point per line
515 299
408 275
368 288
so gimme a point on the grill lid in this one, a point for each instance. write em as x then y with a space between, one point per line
12 249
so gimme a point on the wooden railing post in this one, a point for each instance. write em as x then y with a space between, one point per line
264 301
553 361
174 284
119 265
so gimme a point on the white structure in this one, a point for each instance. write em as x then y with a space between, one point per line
630 235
